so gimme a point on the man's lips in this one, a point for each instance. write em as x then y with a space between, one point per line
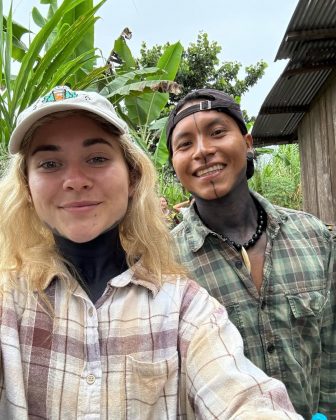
209 170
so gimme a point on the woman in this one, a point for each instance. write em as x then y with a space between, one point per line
169 216
97 320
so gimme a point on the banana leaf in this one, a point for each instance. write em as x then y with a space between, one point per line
146 108
161 153
123 53
130 77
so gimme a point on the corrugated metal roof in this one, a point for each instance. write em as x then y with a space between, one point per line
310 44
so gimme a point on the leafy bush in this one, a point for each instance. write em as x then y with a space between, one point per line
277 177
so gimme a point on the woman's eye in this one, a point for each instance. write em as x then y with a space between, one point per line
49 165
97 160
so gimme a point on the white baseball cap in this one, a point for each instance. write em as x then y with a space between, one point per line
62 98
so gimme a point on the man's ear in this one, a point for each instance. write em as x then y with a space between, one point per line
249 142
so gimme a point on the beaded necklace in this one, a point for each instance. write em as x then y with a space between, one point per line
261 226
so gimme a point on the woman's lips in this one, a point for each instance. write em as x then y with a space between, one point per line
80 206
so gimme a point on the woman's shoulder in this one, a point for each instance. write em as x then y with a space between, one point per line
195 302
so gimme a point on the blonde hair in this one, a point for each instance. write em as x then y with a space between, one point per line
28 247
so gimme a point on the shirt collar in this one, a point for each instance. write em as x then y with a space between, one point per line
130 276
196 231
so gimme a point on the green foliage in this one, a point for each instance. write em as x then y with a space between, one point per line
278 178
66 22
62 52
18 47
140 94
170 187
200 67
49 59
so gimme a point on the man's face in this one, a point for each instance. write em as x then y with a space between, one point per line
209 153
78 178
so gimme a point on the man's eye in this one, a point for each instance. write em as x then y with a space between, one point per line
218 132
183 144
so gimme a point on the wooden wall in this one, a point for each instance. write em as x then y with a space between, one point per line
317 143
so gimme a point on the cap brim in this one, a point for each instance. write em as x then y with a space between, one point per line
19 132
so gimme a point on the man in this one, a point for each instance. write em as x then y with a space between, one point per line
271 267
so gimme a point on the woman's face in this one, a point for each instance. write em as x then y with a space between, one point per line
163 203
78 178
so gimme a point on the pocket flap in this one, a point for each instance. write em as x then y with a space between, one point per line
307 303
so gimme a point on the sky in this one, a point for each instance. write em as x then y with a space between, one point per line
247 30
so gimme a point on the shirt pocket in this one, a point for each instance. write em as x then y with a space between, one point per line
152 388
306 311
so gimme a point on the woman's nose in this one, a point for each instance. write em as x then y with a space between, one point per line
76 179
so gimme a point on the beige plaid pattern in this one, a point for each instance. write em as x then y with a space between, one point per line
139 353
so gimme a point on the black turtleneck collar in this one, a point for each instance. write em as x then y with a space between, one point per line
96 261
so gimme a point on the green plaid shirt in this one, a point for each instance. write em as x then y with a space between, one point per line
289 328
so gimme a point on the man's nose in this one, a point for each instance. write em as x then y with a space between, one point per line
204 147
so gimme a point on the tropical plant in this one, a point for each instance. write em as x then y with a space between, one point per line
140 93
200 68
49 60
278 177
170 187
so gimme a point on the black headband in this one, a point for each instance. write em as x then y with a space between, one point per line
221 105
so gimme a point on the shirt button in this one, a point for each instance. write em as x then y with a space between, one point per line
270 348
90 311
90 379
263 304
238 264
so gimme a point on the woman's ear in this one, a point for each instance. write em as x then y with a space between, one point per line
29 197
133 177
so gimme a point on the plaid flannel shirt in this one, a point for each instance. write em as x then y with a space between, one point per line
139 353
288 327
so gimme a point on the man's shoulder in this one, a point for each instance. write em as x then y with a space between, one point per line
182 238
299 220
190 224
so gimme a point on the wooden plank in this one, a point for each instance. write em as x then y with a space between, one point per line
303 144
307 153
331 135
323 162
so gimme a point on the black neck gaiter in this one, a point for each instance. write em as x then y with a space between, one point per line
96 261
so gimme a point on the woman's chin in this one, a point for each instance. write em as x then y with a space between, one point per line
80 238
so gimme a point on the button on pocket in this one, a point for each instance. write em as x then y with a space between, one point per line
90 379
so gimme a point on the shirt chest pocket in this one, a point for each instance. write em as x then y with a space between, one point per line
306 314
152 388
